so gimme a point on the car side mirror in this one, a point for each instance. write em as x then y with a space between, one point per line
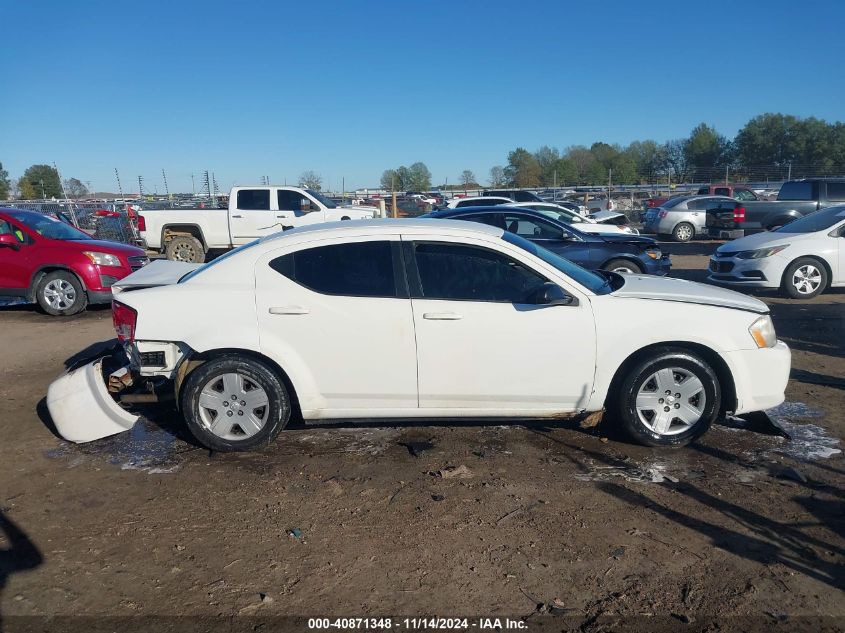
10 241
550 294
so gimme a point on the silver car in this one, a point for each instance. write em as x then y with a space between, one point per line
682 218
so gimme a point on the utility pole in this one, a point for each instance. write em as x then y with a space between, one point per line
193 187
166 189
343 186
727 170
789 177
119 187
393 189
609 178
140 186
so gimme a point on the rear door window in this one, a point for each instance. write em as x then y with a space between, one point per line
254 199
836 191
360 269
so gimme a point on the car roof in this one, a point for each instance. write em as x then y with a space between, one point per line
500 208
483 198
386 226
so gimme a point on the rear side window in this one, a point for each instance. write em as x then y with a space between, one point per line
836 191
796 190
254 199
744 194
459 272
361 269
674 202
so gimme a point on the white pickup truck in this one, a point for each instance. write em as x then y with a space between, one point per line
186 235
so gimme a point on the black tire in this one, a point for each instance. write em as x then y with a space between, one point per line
71 297
623 265
185 248
812 270
345 217
255 372
623 403
683 232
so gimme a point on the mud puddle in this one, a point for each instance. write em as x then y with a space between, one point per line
146 447
734 449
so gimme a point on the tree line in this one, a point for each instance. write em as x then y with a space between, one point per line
768 146
39 182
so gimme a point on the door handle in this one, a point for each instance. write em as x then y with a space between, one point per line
442 316
282 217
237 216
289 310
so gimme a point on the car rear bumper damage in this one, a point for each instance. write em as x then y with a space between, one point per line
90 400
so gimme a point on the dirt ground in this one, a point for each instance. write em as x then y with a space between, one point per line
571 529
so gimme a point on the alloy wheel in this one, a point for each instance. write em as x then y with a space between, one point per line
806 279
233 407
670 401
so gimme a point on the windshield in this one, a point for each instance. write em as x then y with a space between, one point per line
816 221
51 228
321 198
217 260
590 280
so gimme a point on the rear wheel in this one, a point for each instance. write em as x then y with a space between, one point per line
623 266
60 293
235 403
185 248
668 399
683 232
804 278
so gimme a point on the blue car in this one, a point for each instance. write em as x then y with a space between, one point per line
621 253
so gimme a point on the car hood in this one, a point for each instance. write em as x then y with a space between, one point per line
106 246
160 272
683 291
628 238
760 240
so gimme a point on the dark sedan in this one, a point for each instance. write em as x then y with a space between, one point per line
621 253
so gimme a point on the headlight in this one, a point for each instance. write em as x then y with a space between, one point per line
654 253
761 252
763 332
102 259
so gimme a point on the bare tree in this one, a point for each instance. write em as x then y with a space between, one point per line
497 176
310 180
467 178
75 188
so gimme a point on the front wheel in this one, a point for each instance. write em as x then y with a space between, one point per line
623 266
235 403
60 293
668 399
804 278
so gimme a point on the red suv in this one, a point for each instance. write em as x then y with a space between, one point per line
60 267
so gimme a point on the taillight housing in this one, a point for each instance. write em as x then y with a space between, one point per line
124 319
142 223
739 214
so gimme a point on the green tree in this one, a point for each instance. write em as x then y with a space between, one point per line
419 177
649 159
389 180
523 170
768 139
40 181
310 180
704 150
5 184
497 176
581 160
75 188
547 158
676 166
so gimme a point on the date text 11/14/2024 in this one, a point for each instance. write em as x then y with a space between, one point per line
416 624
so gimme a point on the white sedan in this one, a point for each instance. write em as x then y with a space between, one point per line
584 224
802 258
391 319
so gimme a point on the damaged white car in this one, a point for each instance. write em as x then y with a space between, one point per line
422 319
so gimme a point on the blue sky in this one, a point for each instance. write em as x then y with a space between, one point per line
348 89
